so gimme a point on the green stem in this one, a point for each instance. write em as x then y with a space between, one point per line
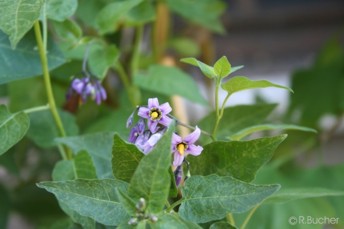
243 226
217 110
175 204
36 109
47 83
136 51
230 219
125 80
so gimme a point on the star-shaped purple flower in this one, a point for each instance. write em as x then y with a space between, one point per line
156 114
182 147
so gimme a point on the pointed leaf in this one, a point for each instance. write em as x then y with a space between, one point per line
96 199
17 17
240 159
170 81
13 127
26 56
252 129
212 197
128 203
222 67
98 145
207 70
239 83
151 179
125 159
102 58
236 68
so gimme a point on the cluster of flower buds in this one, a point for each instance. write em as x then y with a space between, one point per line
87 87
141 214
145 135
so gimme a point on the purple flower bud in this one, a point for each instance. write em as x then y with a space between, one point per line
178 175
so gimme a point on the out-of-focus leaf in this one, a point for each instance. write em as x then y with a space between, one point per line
260 127
141 14
202 12
151 179
185 46
98 145
5 207
240 159
237 118
68 31
24 61
125 159
212 197
110 16
43 130
239 83
17 18
13 127
170 81
102 58
221 225
96 199
60 10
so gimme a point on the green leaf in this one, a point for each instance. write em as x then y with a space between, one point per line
84 168
70 170
240 159
17 17
127 202
212 197
260 127
102 58
172 220
68 31
13 127
239 83
221 225
151 179
96 199
125 159
170 81
202 12
60 10
236 68
237 118
5 207
222 67
291 194
141 14
26 56
109 18
207 70
98 145
43 130
185 46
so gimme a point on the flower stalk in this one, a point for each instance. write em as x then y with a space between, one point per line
66 154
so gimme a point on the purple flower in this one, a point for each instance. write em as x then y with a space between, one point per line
86 87
156 114
147 142
178 175
136 131
182 147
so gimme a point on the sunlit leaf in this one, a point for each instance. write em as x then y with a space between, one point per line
222 67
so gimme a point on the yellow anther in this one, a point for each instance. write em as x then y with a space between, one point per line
154 114
181 148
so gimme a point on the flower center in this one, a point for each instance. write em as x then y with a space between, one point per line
181 147
155 114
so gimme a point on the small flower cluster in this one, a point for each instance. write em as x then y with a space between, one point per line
141 215
87 87
158 119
